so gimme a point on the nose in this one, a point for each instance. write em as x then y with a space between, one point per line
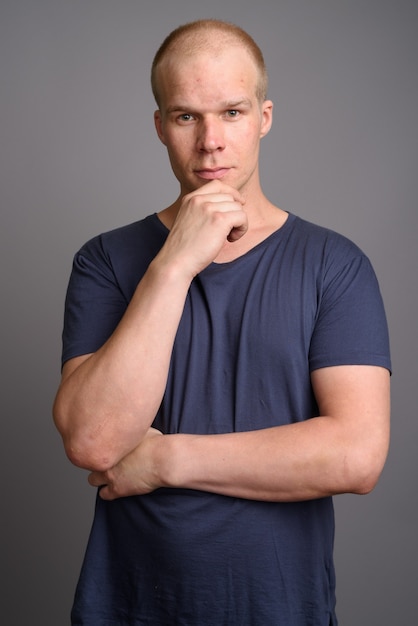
211 135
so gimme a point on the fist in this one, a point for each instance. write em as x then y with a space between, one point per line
206 219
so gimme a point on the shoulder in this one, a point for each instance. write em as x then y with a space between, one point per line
125 247
320 248
322 236
145 232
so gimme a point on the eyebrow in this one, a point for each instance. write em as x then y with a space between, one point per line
244 102
232 104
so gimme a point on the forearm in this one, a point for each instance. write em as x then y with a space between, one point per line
342 451
312 459
108 400
105 405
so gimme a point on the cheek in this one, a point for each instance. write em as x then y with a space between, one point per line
178 144
179 156
174 147
250 142
250 135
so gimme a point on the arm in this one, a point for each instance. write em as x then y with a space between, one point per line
107 400
341 451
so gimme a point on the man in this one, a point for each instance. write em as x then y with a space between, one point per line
225 372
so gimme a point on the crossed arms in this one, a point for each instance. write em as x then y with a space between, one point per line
104 410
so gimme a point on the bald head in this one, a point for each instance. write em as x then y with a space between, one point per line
209 36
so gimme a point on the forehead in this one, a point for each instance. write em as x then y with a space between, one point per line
227 74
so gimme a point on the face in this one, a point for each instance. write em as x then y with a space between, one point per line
210 119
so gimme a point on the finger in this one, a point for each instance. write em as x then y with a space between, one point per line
105 492
221 198
217 201
229 198
96 479
216 187
154 431
237 232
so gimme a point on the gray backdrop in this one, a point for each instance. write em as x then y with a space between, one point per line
79 155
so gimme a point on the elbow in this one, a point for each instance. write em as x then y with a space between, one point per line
90 452
88 455
365 484
368 469
83 449
366 458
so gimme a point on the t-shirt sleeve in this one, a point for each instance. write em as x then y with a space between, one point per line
351 326
94 302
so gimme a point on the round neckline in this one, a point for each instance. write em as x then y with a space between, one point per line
290 218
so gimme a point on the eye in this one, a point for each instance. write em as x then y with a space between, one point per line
185 117
232 113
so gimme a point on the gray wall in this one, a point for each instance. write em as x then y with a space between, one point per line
79 155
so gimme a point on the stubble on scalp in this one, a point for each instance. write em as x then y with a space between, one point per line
207 36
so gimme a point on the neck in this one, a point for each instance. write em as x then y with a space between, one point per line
259 209
264 218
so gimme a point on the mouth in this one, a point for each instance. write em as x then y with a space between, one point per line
213 173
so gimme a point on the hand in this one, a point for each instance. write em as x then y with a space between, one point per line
134 475
207 218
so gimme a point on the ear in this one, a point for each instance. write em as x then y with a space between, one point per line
266 117
159 125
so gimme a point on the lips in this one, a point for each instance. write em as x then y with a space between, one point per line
212 173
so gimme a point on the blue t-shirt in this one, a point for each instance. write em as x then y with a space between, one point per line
251 332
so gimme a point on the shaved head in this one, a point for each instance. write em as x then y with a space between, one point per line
210 36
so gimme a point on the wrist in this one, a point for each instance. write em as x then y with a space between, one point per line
172 268
172 460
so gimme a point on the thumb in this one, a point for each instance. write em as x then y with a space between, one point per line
105 492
